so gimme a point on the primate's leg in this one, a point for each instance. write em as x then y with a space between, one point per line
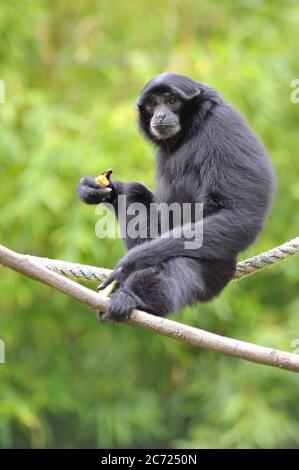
169 287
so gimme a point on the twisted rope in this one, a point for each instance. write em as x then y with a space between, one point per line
36 268
80 271
279 253
244 268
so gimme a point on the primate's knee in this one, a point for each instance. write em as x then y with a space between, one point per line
167 288
152 291
216 274
179 282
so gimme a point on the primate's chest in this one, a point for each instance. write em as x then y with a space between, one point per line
191 179
176 192
180 179
180 197
181 187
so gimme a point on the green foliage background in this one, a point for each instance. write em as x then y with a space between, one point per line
73 71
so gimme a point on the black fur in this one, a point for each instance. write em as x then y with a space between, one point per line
215 159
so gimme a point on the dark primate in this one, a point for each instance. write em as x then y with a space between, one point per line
208 154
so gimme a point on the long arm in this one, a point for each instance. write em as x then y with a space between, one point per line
224 235
130 195
225 232
163 275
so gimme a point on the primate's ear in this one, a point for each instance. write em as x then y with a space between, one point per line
188 93
138 102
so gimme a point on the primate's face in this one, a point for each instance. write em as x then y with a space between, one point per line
163 109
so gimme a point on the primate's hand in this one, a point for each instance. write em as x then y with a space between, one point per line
91 192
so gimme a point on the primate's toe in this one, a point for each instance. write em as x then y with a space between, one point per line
108 287
115 278
101 317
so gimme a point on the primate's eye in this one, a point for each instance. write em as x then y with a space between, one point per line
151 101
172 99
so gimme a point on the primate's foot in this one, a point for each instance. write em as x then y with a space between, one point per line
120 307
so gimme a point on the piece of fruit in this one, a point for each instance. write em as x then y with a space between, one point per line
104 178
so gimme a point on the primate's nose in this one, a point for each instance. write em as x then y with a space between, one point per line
161 116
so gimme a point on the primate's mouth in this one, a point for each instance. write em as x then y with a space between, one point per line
164 131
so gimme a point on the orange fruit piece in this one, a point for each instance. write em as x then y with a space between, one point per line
104 178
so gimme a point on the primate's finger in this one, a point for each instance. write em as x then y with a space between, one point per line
89 181
106 283
105 193
94 195
107 291
102 317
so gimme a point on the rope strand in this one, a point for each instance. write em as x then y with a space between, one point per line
244 268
